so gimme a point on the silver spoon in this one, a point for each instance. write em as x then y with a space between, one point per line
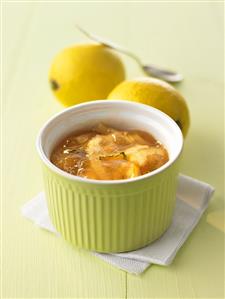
149 69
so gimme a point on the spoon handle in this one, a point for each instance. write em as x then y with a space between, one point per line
109 44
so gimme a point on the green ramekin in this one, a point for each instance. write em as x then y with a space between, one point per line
111 216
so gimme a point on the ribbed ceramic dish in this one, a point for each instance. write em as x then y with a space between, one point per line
111 216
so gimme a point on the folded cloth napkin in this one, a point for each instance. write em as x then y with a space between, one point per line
192 199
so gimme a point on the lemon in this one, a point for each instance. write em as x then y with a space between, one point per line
85 72
156 93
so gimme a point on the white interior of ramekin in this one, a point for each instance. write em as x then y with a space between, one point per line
116 113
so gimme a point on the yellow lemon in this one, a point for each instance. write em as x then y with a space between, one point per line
156 93
85 72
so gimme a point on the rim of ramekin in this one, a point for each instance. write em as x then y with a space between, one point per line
69 176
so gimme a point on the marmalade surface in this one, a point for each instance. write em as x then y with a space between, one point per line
106 153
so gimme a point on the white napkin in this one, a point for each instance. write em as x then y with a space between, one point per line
192 199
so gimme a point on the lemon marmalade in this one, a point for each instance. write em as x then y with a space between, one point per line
106 153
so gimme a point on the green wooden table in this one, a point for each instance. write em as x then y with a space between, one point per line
187 36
